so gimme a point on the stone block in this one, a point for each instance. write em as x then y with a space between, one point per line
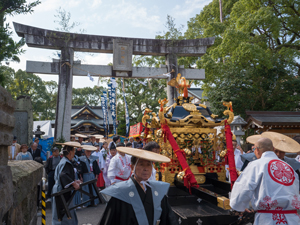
25 175
24 120
6 190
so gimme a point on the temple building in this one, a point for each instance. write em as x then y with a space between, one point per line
88 120
85 120
287 123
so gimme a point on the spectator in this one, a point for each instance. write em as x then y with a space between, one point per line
24 155
133 143
129 145
14 149
50 166
116 140
125 141
37 140
139 141
34 150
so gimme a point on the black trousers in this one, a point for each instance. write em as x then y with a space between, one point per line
51 183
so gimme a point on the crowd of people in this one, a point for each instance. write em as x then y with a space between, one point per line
23 152
269 179
112 167
97 158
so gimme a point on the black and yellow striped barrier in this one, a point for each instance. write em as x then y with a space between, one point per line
43 207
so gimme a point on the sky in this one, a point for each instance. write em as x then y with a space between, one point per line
123 18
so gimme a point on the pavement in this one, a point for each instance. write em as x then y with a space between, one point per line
86 216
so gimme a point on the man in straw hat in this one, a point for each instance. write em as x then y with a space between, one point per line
271 185
139 200
90 170
99 140
80 137
64 177
282 144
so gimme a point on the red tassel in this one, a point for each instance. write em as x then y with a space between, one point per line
230 154
190 178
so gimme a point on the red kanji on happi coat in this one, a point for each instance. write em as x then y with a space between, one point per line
281 172
268 204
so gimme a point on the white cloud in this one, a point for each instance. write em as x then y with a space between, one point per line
134 15
96 3
50 5
187 9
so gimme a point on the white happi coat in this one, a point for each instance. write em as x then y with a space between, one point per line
101 161
119 167
270 184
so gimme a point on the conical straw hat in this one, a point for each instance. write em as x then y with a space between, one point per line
144 154
253 138
81 135
89 147
98 136
70 143
282 142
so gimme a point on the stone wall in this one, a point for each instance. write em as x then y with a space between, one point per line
18 179
7 122
26 176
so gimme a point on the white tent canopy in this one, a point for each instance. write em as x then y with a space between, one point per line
45 127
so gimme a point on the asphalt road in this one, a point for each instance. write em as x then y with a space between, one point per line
86 216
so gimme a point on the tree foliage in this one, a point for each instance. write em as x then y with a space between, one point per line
254 61
9 49
91 96
43 94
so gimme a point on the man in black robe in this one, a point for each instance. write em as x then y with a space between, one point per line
125 211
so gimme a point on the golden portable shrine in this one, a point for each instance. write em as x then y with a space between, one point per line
187 134
193 127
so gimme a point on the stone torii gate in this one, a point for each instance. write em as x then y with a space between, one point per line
122 49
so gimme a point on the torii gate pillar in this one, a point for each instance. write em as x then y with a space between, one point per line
64 97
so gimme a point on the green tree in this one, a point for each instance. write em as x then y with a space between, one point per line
9 49
91 96
43 94
254 61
